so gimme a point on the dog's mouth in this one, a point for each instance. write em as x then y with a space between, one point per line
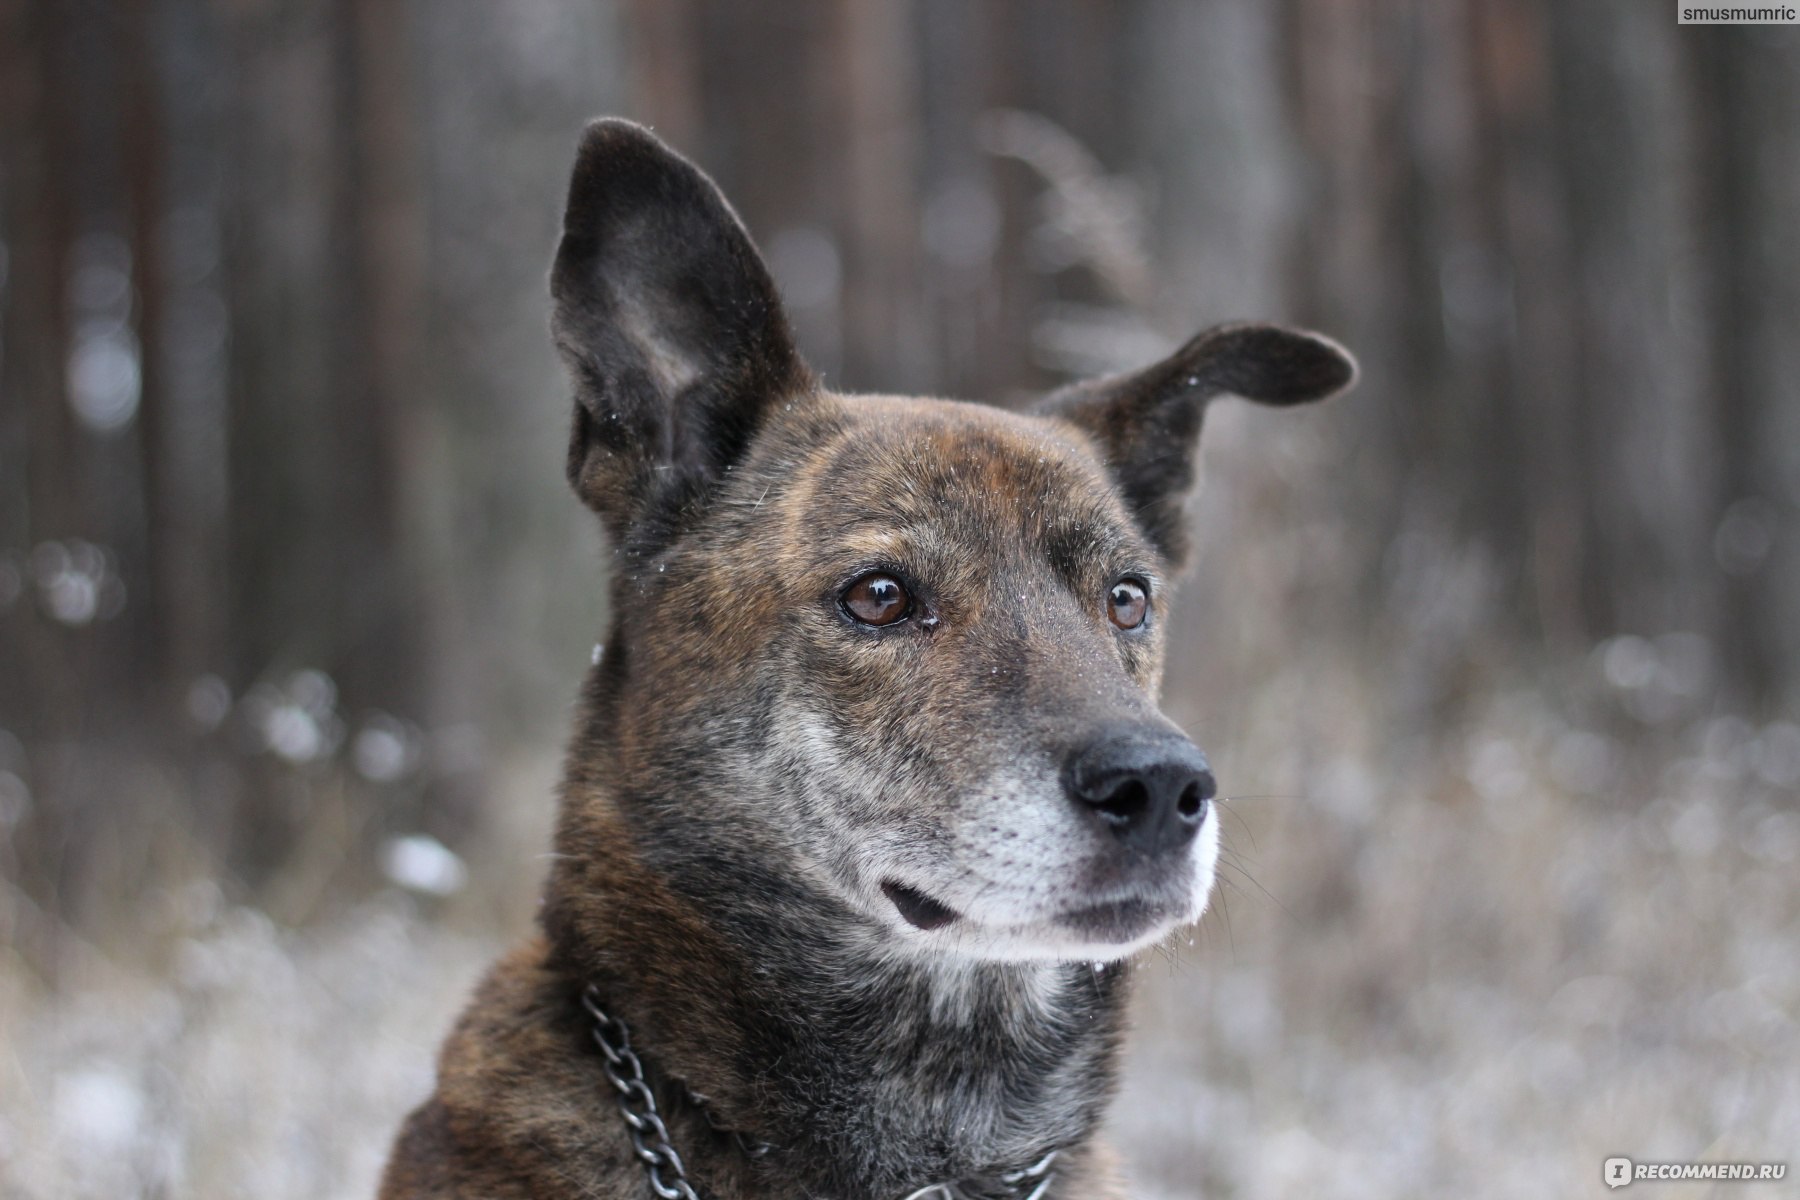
1110 922
919 910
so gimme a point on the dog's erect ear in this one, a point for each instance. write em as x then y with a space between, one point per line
1147 423
670 325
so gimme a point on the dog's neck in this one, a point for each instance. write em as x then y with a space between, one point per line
871 1074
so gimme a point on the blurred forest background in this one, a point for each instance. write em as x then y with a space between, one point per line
1498 656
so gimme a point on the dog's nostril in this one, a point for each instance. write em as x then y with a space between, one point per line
1126 803
1192 804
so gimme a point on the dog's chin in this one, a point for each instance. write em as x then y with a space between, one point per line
1101 930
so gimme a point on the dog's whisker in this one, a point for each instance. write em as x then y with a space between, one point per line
1243 824
1225 914
1272 898
1236 796
1234 855
1165 950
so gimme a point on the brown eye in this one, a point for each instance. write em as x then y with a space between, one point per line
1127 604
877 599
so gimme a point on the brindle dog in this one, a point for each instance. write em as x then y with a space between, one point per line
870 776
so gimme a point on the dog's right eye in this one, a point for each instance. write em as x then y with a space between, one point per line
1128 603
877 599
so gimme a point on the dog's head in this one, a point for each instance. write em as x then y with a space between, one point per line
903 652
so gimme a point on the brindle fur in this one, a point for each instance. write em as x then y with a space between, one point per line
749 764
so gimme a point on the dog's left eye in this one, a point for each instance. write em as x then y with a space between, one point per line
1128 603
877 599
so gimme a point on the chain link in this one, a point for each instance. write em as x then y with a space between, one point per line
1037 1178
1027 1183
637 1103
668 1177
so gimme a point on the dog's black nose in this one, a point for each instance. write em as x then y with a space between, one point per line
1150 790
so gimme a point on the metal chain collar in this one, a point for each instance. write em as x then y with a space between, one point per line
668 1176
637 1103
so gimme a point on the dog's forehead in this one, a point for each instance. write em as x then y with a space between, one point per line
907 459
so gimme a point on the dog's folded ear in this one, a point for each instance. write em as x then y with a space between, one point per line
670 325
1147 423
